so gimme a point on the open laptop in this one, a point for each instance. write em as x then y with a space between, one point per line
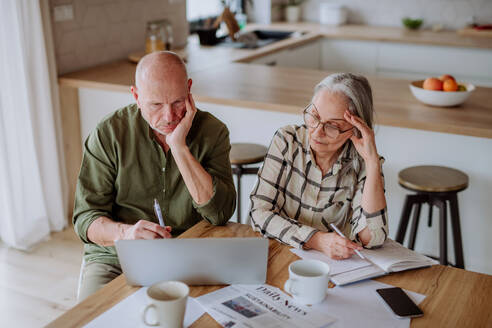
200 261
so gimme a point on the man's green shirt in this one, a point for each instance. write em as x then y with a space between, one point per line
124 168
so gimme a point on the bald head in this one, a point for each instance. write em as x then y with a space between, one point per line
160 67
161 90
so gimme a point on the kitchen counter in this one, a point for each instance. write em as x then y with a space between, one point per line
220 77
290 90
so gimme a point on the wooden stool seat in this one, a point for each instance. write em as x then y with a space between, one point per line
247 153
244 154
428 178
436 186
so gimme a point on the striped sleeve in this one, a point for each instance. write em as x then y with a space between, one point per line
377 222
268 198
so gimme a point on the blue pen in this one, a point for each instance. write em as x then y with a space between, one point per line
158 213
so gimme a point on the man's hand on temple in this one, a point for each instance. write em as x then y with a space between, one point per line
177 138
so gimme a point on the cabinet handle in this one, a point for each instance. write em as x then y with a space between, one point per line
272 63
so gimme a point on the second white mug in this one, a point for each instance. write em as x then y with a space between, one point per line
308 281
168 300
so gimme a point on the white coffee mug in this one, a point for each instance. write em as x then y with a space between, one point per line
308 281
168 300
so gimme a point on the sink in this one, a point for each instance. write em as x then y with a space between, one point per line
272 35
257 39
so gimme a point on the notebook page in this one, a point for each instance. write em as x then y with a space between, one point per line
336 266
358 274
395 257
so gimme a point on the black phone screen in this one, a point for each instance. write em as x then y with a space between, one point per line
399 302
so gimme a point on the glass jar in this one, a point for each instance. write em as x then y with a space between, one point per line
158 36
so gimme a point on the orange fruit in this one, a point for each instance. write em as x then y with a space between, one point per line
446 77
433 83
449 85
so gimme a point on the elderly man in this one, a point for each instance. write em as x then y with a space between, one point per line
160 148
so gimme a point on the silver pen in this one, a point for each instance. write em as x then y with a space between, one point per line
334 227
158 213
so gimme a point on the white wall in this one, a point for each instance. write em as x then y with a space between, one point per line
401 148
453 14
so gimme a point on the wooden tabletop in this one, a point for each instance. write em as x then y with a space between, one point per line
455 297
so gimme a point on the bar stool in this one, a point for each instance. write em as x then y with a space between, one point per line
434 185
244 154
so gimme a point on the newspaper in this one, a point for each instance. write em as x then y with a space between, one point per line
260 306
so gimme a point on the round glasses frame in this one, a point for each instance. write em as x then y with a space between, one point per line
313 122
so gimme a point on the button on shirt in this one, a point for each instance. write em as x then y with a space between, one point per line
292 200
124 168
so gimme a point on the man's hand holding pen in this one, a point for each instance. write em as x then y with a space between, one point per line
144 229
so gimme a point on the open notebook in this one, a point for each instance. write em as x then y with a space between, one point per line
391 257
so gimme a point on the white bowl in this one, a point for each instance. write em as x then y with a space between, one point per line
440 98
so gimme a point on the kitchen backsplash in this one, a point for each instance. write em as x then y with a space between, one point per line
105 30
452 14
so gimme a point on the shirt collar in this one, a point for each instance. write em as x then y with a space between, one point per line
344 157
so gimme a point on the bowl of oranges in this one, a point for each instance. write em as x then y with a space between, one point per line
443 92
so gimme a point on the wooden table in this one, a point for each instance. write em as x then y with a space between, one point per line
455 297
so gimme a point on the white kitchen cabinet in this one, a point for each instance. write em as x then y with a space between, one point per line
407 61
303 56
421 61
388 59
275 59
349 56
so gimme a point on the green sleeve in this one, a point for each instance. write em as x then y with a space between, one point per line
219 209
94 195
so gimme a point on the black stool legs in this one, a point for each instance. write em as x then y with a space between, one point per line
415 224
455 223
410 200
443 229
439 200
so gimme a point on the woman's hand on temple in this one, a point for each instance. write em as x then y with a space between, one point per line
366 145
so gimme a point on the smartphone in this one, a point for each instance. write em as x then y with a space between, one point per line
399 302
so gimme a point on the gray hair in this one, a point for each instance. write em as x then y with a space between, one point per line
359 94
356 88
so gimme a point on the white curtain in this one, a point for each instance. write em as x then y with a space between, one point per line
32 183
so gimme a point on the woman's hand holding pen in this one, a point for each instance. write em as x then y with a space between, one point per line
333 245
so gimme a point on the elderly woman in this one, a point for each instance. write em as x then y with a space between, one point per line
325 171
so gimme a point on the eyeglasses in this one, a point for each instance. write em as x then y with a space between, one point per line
313 122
